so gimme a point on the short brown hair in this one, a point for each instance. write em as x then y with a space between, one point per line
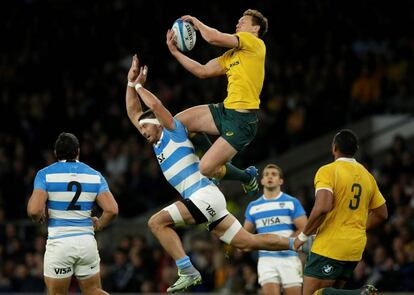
258 20
274 166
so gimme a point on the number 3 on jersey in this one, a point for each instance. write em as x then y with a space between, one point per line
354 202
72 205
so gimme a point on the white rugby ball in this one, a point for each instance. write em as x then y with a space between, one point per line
185 35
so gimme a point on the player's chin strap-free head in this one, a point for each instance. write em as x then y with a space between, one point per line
150 121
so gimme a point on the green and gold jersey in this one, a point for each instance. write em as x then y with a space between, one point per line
245 70
342 235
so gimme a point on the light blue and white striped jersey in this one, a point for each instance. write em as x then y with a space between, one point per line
72 188
178 161
275 216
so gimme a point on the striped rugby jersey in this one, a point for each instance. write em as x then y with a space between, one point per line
178 161
72 188
275 216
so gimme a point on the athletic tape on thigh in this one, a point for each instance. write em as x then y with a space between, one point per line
175 214
291 285
231 232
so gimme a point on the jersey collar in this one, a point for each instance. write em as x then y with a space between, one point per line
267 199
352 160
67 160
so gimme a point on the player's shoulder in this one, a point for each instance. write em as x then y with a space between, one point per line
258 201
52 168
86 169
287 197
327 167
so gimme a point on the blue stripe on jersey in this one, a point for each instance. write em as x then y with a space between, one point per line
278 254
63 187
183 174
276 227
71 235
54 222
58 205
195 187
178 154
271 213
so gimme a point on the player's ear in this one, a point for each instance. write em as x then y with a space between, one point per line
282 181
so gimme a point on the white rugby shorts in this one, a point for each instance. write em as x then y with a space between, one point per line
285 271
71 255
211 202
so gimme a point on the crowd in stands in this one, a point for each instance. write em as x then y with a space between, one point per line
63 67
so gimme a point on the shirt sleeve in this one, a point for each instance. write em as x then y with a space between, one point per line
247 41
298 211
247 214
323 179
179 132
40 181
378 199
103 187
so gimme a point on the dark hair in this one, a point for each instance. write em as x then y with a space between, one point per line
147 114
274 166
258 20
66 146
347 142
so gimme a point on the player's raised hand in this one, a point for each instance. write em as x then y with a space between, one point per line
191 19
134 70
170 40
142 77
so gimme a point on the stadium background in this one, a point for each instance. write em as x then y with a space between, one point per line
63 67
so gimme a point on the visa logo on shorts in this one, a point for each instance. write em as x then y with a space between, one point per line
62 271
210 211
270 221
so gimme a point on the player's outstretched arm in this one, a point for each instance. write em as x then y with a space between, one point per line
210 69
152 102
212 35
132 102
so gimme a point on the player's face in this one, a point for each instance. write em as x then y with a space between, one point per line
271 178
245 25
151 132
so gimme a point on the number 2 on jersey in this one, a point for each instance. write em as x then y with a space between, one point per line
357 190
72 205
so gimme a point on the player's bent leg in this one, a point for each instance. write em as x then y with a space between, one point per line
161 224
91 285
230 231
211 164
311 285
271 289
198 119
57 286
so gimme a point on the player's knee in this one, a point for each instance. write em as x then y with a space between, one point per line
154 223
206 168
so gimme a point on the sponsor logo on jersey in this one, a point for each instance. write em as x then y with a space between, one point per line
271 220
161 158
229 133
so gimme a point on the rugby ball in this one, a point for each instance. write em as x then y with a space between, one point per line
185 35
